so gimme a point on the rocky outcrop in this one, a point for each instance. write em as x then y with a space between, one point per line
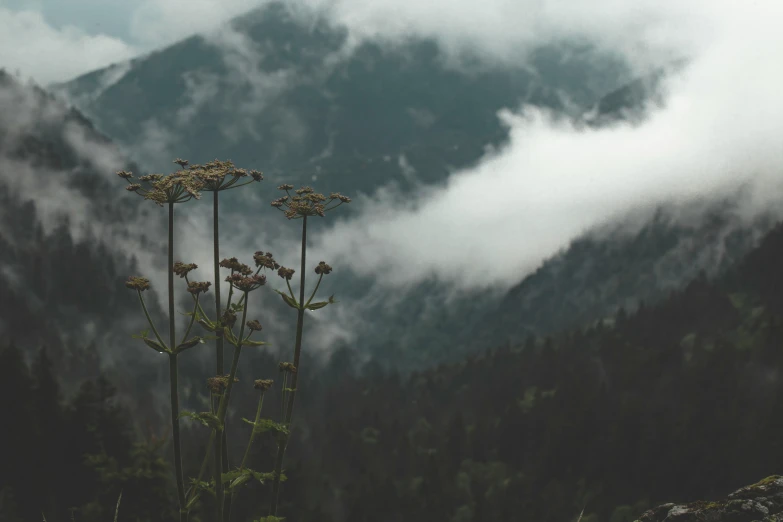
761 502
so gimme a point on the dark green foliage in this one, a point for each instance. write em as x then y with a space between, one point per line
673 402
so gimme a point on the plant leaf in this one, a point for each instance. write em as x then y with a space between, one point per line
248 342
207 418
155 345
290 301
207 325
141 335
264 425
190 343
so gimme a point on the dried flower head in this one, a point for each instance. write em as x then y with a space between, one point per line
229 262
265 260
220 175
196 288
182 269
307 202
178 187
263 384
229 318
248 284
287 367
235 266
138 283
286 273
254 326
234 278
323 268
219 383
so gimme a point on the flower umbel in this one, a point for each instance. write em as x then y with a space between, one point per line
182 269
178 187
323 268
138 283
307 202
197 288
263 384
218 175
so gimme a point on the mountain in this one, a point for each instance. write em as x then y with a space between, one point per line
65 227
288 94
673 402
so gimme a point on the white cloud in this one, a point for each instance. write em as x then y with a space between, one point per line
492 224
47 54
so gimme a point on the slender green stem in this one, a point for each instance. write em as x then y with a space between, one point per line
321 276
217 468
283 439
207 453
247 450
282 394
219 493
146 312
192 320
253 434
183 515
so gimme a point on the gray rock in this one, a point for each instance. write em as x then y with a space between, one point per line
761 502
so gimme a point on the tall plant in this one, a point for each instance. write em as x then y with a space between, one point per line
179 187
305 204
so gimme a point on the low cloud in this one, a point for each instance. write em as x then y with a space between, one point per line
29 44
492 224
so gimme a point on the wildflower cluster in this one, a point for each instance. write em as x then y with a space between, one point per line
182 186
178 187
219 383
181 269
307 202
138 283
219 175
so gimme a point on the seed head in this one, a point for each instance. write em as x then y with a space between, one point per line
323 268
254 326
307 202
229 318
286 273
138 283
182 269
248 284
257 176
235 266
178 187
219 383
234 278
196 288
287 367
181 162
125 175
336 195
263 384
265 260
133 187
285 187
